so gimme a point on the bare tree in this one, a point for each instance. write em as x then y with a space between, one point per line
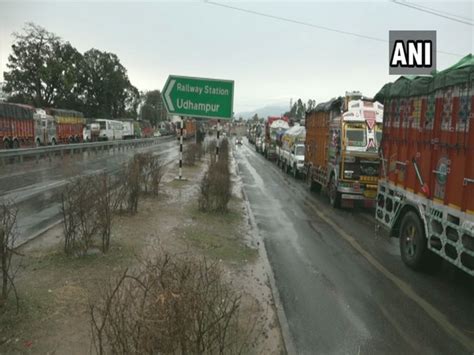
8 215
86 206
171 305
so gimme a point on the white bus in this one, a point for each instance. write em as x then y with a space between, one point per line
110 129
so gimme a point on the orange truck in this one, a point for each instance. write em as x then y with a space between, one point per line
189 130
69 125
341 149
426 189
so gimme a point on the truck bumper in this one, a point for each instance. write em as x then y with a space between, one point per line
366 198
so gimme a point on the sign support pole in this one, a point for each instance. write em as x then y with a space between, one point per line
218 141
181 150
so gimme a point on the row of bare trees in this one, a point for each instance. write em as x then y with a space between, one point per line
216 187
89 202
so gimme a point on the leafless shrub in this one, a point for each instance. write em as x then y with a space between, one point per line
142 174
211 147
192 153
171 306
86 206
216 188
8 215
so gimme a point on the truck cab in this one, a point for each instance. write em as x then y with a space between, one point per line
354 156
297 158
45 129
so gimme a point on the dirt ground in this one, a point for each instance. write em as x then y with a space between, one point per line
55 290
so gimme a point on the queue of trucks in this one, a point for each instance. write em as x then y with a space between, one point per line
407 152
26 126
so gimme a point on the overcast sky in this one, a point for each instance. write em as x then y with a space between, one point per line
271 61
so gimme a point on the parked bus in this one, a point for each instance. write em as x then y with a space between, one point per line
110 129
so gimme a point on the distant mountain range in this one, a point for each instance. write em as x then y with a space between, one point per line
271 110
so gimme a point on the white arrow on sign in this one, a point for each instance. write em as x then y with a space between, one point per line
167 94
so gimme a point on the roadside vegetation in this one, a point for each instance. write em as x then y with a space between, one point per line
7 239
170 305
216 189
89 202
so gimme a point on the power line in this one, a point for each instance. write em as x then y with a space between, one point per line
445 12
308 24
286 19
433 12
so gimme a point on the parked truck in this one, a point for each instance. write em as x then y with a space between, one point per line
273 126
342 140
69 125
25 126
291 150
426 189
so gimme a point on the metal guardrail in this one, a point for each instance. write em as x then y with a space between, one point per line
10 156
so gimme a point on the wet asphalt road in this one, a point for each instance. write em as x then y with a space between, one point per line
343 287
35 187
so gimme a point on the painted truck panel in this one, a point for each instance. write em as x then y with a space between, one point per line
428 144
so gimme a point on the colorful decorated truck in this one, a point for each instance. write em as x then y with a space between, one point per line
69 125
290 150
17 125
273 126
342 141
426 189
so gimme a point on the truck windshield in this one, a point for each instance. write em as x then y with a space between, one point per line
356 135
378 133
299 150
102 124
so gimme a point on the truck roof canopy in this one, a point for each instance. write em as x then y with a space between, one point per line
405 86
328 105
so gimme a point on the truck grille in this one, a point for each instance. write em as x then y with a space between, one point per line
364 170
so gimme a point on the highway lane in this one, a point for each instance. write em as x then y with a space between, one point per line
342 284
35 188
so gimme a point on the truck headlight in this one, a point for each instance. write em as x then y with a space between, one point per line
348 174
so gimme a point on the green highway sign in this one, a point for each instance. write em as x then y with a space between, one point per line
199 97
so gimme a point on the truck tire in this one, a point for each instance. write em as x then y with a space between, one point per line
334 195
6 144
295 172
16 144
413 243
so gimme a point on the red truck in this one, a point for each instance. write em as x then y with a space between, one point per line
17 125
426 189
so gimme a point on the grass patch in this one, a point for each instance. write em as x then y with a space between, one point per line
218 234
117 255
177 184
219 246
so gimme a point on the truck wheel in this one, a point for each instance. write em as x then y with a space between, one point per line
413 245
334 195
6 144
16 144
295 172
